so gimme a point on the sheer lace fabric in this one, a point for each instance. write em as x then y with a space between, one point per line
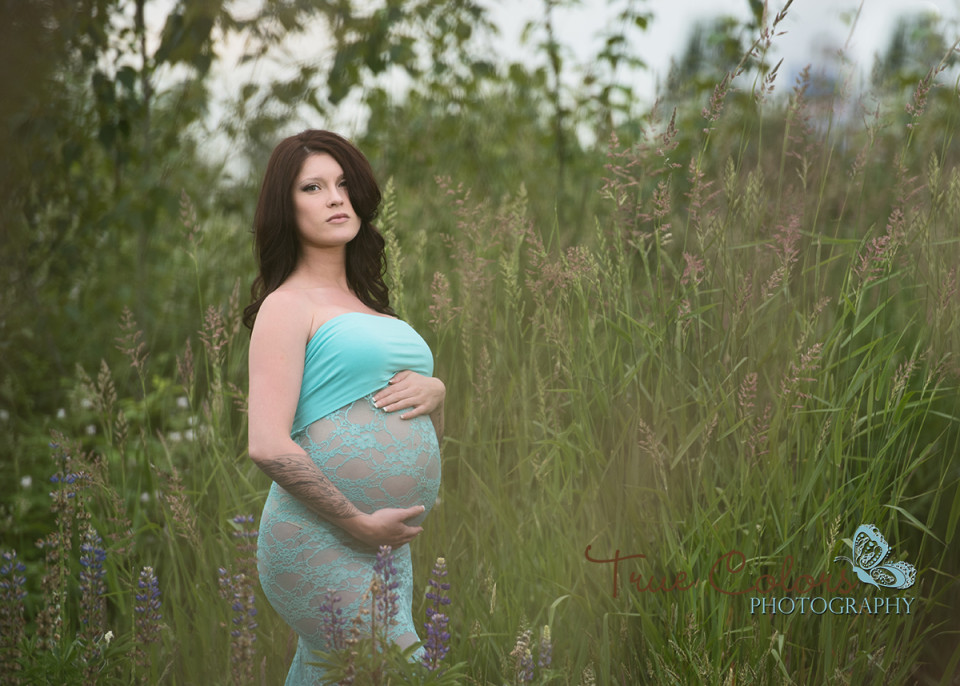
376 460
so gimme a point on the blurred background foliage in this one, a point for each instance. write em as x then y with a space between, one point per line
104 125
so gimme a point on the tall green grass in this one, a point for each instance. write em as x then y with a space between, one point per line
753 350
758 355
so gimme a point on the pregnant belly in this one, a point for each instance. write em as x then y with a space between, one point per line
375 458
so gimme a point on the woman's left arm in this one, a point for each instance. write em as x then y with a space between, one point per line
416 393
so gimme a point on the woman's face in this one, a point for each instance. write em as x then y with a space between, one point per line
324 215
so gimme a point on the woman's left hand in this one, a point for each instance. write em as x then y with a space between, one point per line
407 389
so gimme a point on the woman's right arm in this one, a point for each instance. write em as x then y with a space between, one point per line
277 347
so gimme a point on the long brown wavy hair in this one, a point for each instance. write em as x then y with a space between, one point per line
276 241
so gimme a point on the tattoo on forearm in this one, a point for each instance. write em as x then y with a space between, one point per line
299 476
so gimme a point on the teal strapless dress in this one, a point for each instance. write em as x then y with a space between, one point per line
373 457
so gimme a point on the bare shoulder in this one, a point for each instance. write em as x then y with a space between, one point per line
276 359
289 298
284 313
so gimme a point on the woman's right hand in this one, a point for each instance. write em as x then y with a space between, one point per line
387 526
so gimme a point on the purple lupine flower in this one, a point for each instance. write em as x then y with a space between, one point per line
243 519
68 479
545 649
386 602
238 590
12 621
148 616
525 667
92 597
14 569
436 647
92 587
246 545
523 658
333 624
146 623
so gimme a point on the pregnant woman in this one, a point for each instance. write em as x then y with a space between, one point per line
344 414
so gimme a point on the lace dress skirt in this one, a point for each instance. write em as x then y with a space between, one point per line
376 460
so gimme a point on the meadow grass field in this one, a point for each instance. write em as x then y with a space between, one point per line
748 354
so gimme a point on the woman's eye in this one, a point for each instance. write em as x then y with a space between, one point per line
310 187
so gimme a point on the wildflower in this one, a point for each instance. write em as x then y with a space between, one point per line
523 658
545 649
107 637
238 591
246 545
92 596
61 413
92 587
333 623
182 402
147 609
57 544
4 416
386 598
26 481
12 623
526 667
436 648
